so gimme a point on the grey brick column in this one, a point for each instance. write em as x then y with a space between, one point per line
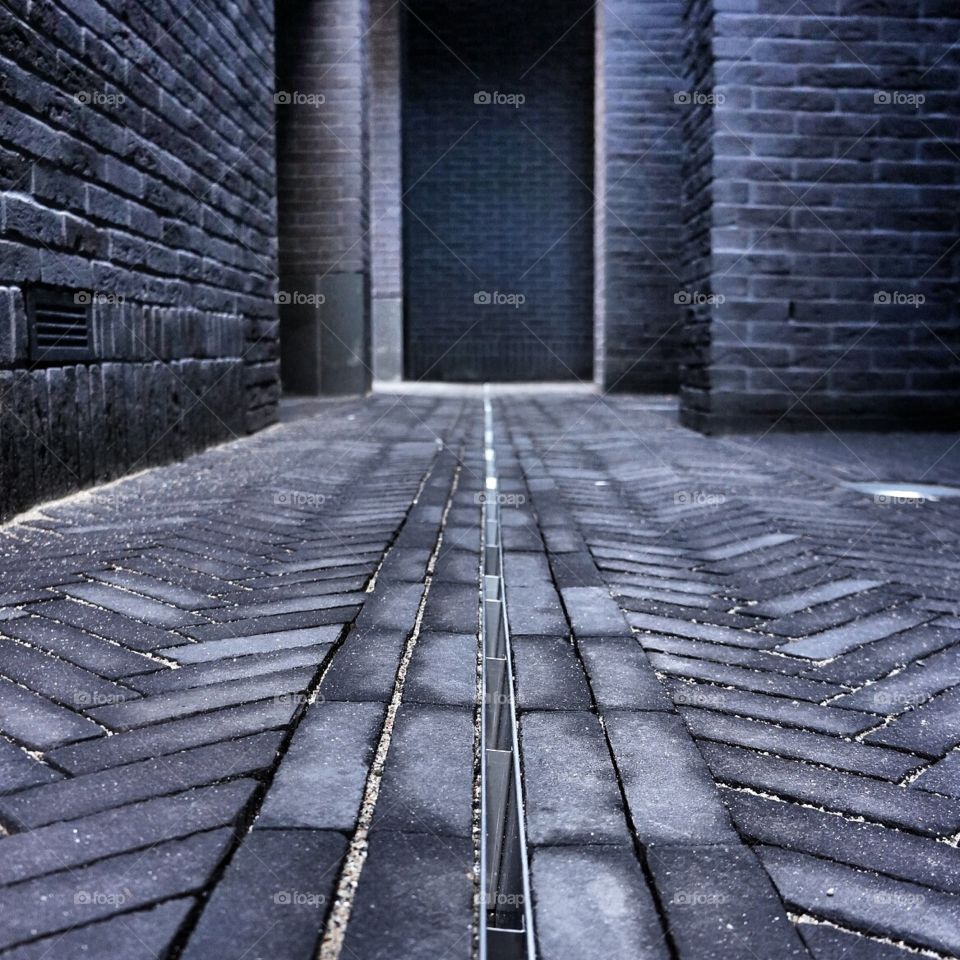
386 188
821 215
322 185
639 79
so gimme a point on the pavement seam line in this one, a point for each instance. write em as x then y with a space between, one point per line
331 943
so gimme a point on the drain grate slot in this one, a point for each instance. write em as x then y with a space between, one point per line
506 930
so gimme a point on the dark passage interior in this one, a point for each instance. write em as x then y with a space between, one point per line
498 173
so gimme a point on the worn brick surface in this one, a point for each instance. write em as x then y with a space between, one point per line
693 786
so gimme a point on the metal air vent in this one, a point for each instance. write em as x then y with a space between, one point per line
59 326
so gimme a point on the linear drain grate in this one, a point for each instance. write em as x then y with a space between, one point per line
506 929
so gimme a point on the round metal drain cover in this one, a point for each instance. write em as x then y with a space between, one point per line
895 491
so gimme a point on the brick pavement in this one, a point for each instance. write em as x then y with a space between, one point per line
238 696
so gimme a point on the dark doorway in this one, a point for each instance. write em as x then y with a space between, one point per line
498 179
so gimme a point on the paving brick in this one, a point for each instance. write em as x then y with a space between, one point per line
793 713
699 631
171 736
150 586
535 611
801 744
252 644
799 600
593 612
847 793
720 904
593 901
669 791
289 605
910 687
82 649
365 667
39 723
140 935
272 899
452 608
443 670
392 606
864 845
917 915
428 789
548 675
825 942
165 706
301 620
101 623
93 792
756 680
572 795
621 675
221 671
75 897
132 605
737 548
930 730
943 776
838 640
62 846
321 780
414 898
19 770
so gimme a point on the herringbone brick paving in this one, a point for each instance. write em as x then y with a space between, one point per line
808 637
238 697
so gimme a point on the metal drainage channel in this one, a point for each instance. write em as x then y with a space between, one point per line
506 922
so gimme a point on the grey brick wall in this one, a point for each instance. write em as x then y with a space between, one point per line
136 174
322 182
500 191
832 214
639 81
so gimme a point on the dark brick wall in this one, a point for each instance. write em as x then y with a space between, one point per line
322 183
833 189
640 93
137 175
500 194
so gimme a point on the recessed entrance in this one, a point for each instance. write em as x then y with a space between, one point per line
498 191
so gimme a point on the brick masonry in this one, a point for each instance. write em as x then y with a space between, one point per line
322 182
136 176
386 210
639 81
821 219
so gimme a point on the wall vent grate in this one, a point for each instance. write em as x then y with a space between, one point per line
59 326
